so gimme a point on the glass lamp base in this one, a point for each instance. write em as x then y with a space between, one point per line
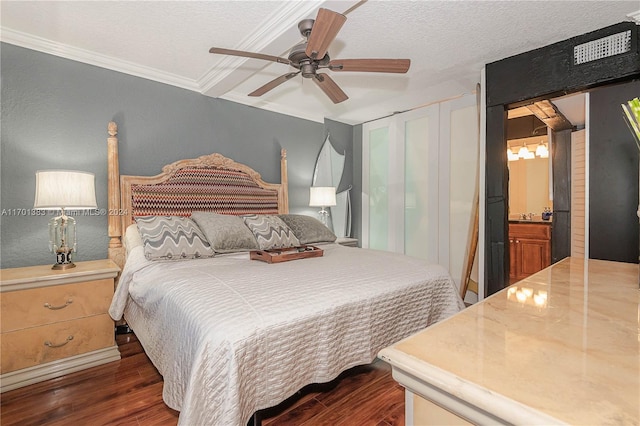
324 217
62 266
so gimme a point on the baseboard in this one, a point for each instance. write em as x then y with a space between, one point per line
50 370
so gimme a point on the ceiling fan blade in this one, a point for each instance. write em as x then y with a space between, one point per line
324 30
273 84
330 88
371 65
253 55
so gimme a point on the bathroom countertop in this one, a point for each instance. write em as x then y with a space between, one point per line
560 347
534 220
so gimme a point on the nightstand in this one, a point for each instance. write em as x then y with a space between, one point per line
346 241
55 322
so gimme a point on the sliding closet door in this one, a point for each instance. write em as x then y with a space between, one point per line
420 157
400 184
419 180
375 198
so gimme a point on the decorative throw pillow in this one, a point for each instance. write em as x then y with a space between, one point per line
225 233
270 231
172 238
308 229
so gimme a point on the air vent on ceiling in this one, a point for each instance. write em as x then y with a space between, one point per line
604 47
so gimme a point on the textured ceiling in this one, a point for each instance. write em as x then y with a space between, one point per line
448 43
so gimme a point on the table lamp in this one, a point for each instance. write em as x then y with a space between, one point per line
60 190
322 196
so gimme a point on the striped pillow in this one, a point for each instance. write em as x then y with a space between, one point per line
172 238
270 231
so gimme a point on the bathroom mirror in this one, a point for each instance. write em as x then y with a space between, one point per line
529 178
328 172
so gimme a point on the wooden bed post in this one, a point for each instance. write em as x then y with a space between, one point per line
116 250
284 182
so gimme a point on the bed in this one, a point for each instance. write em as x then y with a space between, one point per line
230 335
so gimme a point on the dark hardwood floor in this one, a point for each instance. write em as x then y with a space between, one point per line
129 392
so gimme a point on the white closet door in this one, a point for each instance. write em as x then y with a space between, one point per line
400 184
419 176
375 184
419 228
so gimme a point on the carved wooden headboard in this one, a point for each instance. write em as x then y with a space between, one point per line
208 183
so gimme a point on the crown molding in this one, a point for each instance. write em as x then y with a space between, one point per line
635 15
268 106
85 56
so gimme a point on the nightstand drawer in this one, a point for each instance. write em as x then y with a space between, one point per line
48 305
27 348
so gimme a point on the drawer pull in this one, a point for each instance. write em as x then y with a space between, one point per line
55 308
53 345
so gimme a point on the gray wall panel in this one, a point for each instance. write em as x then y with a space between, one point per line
55 114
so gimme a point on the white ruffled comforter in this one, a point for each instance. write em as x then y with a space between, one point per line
231 336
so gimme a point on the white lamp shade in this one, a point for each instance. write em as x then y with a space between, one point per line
68 189
322 196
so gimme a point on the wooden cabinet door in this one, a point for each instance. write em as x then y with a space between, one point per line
534 255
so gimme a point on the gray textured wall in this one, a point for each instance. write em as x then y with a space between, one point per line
55 114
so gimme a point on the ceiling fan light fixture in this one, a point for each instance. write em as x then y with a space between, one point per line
308 69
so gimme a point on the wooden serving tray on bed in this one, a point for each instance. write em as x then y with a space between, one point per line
285 254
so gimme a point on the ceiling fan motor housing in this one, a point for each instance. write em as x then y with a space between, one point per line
301 61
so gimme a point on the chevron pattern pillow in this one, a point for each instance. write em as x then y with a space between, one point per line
172 238
270 231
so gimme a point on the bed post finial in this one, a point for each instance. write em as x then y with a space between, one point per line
116 251
284 183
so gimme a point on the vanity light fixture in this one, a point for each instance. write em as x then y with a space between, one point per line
542 151
524 152
511 156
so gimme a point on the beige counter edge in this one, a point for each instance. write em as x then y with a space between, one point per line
479 405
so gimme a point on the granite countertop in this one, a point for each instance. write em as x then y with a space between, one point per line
561 346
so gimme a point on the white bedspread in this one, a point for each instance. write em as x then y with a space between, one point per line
231 336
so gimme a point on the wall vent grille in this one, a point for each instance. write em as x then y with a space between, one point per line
602 48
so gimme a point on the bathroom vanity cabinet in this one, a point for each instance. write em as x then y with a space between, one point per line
529 249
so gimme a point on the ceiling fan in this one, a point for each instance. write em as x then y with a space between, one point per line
311 55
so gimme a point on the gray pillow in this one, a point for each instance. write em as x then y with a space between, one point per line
172 238
225 233
308 229
270 231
